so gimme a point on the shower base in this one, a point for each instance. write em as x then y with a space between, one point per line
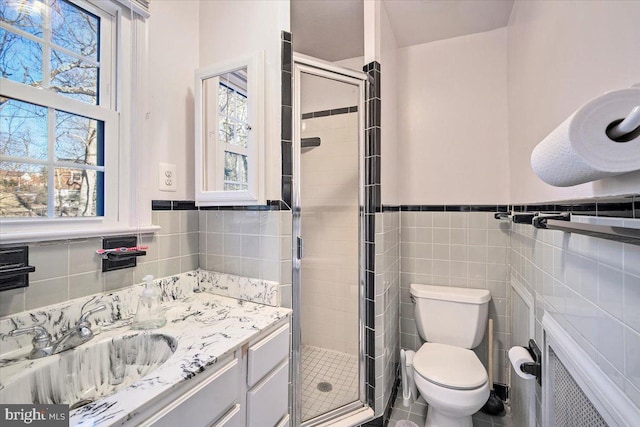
329 380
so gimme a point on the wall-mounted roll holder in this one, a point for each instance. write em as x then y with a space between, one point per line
626 129
535 367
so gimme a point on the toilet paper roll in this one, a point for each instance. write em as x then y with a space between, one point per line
580 151
518 356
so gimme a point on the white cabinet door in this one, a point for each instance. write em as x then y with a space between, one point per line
267 354
268 401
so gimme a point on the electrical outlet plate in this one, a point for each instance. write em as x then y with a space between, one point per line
167 177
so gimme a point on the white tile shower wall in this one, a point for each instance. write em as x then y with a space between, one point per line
248 243
592 288
330 219
387 317
71 269
462 249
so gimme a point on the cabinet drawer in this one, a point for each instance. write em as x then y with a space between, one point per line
203 404
267 354
268 402
233 418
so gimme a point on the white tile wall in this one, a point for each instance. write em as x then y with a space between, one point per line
592 287
330 220
387 316
248 243
463 249
71 269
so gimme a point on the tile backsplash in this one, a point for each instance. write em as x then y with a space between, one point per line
121 304
249 243
69 269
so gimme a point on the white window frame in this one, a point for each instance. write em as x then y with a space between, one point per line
122 102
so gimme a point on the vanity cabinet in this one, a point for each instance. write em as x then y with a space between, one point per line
250 388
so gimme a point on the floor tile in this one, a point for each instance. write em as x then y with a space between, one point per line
323 370
417 412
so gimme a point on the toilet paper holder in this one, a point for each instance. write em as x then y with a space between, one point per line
535 367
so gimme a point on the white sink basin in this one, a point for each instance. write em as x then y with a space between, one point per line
89 372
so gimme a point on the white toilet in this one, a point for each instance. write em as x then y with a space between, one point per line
448 374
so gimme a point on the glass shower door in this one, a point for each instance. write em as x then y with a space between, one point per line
328 206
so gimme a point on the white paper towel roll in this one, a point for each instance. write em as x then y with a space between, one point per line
518 356
580 151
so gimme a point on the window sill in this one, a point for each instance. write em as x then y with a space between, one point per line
45 236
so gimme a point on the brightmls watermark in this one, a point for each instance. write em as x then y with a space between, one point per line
34 415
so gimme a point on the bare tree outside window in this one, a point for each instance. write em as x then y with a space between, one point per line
233 129
51 161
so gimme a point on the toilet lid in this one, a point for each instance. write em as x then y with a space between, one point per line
449 366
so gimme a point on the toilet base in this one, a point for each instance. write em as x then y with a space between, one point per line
438 419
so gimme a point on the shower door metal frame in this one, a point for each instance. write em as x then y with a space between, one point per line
313 66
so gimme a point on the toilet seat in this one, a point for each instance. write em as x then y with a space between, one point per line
449 367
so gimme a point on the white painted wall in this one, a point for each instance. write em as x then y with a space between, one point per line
389 111
231 28
173 57
356 64
562 54
452 121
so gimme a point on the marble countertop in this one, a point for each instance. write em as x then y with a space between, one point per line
207 327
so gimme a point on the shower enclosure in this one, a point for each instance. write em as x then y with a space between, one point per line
328 277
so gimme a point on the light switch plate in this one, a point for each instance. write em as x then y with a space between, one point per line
167 177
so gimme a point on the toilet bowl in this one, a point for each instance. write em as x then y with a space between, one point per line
447 373
452 381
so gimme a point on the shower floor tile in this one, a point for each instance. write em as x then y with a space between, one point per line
321 367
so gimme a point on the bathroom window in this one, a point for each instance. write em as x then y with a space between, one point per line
61 127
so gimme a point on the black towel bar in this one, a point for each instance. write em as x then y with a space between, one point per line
617 234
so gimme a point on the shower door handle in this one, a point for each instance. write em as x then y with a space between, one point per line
300 247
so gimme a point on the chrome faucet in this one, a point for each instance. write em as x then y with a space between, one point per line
43 344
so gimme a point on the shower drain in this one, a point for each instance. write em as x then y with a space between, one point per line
325 387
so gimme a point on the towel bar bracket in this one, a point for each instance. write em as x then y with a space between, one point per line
120 260
14 267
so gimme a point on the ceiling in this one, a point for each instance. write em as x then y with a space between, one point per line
423 21
334 29
328 29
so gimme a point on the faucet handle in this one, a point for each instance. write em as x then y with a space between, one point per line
41 338
37 330
84 318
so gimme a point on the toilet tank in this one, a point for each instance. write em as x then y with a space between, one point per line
449 315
